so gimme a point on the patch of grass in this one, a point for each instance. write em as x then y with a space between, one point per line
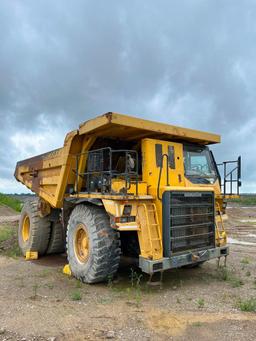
200 303
14 251
247 305
35 288
8 242
245 260
44 273
10 202
245 200
197 324
225 274
49 285
236 282
105 300
5 234
110 282
79 284
76 296
248 274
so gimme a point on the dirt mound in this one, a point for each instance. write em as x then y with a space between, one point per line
7 214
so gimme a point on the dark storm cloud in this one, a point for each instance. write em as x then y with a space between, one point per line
184 62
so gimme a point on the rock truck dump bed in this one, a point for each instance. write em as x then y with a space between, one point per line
50 174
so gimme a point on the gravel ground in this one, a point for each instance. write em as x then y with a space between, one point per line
38 302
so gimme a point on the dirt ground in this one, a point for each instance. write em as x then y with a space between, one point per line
39 302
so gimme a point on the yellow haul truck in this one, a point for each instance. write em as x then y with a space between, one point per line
125 185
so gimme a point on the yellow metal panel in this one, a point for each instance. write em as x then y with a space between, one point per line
118 184
146 225
144 127
120 198
151 171
215 186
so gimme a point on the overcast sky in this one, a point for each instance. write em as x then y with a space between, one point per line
190 63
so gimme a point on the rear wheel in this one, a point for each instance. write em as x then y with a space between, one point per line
34 231
57 238
93 247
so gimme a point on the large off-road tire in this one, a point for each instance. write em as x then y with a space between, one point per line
34 231
57 238
93 247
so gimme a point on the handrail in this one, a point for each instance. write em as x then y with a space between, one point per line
108 172
160 174
231 176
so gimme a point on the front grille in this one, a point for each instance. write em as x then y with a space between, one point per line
188 224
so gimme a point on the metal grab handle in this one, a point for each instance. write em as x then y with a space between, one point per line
160 174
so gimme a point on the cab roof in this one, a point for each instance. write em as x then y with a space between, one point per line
124 127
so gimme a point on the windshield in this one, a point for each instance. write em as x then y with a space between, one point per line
199 165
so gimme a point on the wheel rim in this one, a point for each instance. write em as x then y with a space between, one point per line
81 243
26 228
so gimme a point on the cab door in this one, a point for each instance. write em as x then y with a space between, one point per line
162 164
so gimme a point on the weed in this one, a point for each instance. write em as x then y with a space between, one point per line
105 300
76 296
136 286
236 282
247 305
245 260
34 291
222 273
49 285
79 284
197 324
44 273
226 275
248 274
110 282
200 303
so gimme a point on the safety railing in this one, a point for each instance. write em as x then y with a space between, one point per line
230 177
103 165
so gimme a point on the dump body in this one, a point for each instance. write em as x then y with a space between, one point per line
157 182
50 174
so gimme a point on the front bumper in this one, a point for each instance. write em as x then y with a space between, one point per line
151 266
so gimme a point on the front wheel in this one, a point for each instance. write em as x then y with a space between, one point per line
93 247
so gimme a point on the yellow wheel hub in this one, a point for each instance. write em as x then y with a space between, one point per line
81 243
25 228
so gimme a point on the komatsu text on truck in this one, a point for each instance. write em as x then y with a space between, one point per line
123 185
